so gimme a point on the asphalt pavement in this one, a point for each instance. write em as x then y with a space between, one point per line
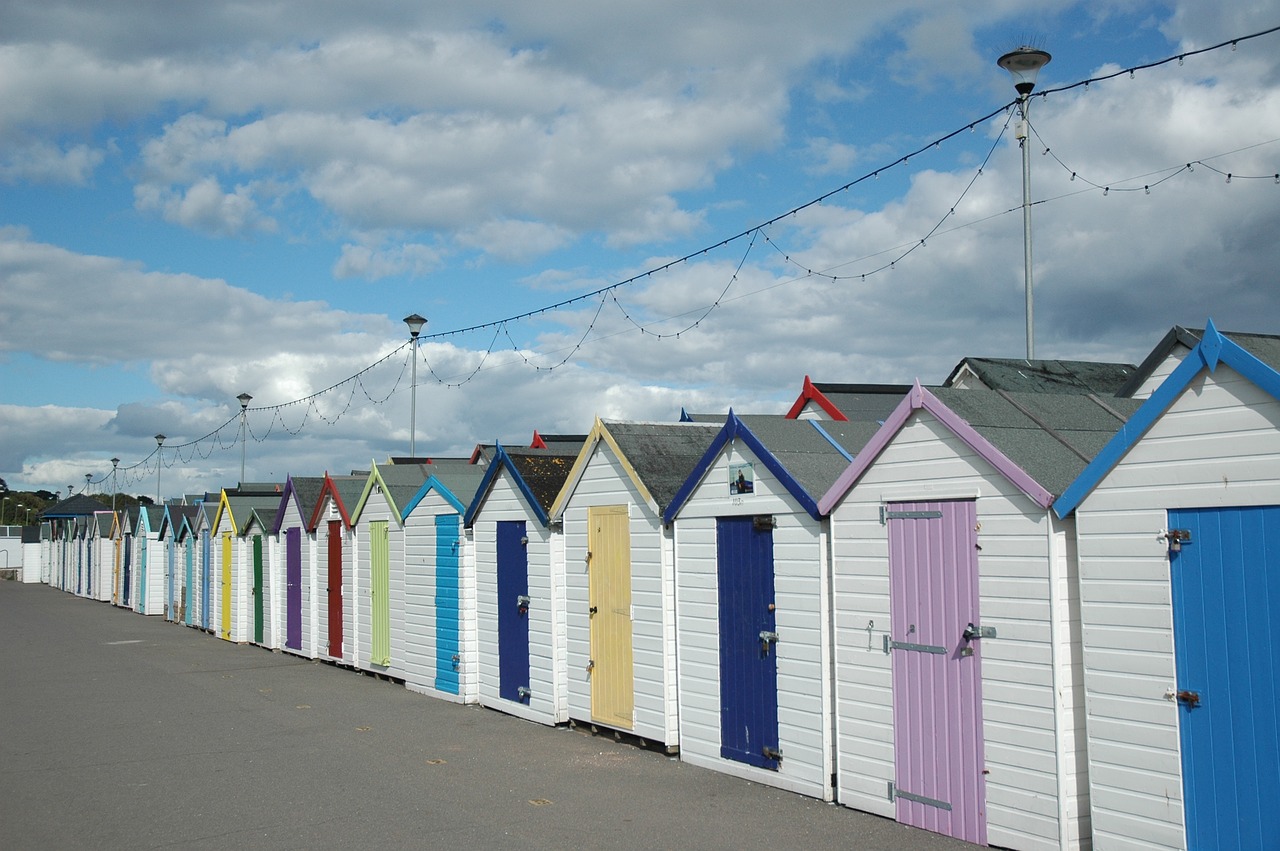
123 731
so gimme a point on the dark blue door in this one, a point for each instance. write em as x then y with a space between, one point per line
1226 633
448 650
748 642
128 571
513 612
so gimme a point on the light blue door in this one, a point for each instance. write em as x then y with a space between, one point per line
1226 632
448 651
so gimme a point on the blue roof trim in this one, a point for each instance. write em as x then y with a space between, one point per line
822 431
684 416
1212 349
502 460
734 429
429 485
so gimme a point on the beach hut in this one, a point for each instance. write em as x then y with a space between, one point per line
1176 522
437 636
296 533
752 600
379 565
103 554
167 549
620 574
520 594
958 704
262 571
189 565
207 555
336 546
240 558
148 573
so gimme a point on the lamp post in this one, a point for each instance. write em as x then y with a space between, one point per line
2 507
159 458
115 464
244 399
1023 65
415 323
88 477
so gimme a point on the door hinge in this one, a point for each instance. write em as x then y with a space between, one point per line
886 515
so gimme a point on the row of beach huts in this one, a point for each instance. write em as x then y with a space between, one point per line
1037 606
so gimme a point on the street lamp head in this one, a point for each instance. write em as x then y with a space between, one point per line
415 323
115 462
1023 65
159 440
244 399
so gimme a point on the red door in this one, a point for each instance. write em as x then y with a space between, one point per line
335 589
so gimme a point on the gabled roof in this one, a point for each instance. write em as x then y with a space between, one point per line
455 479
150 518
398 484
1041 376
845 402
239 504
804 455
106 521
189 525
304 492
344 491
1265 347
78 505
1038 441
264 517
173 518
657 457
1212 349
538 474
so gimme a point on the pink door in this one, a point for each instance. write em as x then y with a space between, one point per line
936 661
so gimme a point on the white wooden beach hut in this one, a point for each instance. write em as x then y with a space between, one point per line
753 600
235 558
208 550
437 636
336 634
295 533
958 701
379 566
520 592
1177 521
103 554
149 561
262 572
620 574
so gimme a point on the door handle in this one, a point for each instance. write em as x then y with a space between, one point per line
1190 699
592 610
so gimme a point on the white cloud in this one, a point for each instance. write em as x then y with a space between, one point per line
40 162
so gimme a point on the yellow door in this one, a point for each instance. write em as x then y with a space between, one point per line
115 572
226 585
609 575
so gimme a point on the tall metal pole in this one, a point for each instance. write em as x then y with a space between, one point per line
415 323
115 487
244 399
159 458
1023 65
1024 102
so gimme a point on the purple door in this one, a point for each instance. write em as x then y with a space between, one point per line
937 695
293 588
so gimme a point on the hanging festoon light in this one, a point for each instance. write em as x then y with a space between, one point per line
1024 65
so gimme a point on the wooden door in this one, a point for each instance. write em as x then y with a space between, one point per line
227 568
609 600
939 783
380 593
748 642
1226 635
448 647
334 591
259 592
293 588
513 611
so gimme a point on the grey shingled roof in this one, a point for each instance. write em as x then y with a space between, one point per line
662 454
1047 376
73 506
402 482
864 402
306 492
1265 347
545 470
459 475
803 450
1051 436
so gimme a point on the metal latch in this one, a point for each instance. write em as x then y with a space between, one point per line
457 660
523 692
1189 699
593 610
771 753
1176 538
971 632
764 522
522 603
767 638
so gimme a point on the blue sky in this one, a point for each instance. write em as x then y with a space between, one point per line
196 202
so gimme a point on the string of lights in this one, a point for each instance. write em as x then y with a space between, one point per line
501 327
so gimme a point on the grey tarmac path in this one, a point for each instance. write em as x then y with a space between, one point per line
122 731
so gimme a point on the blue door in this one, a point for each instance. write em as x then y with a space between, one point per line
748 641
126 582
188 588
447 648
206 571
513 612
1226 631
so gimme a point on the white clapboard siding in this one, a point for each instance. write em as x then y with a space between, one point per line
377 509
803 649
548 700
1216 446
604 481
1033 718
